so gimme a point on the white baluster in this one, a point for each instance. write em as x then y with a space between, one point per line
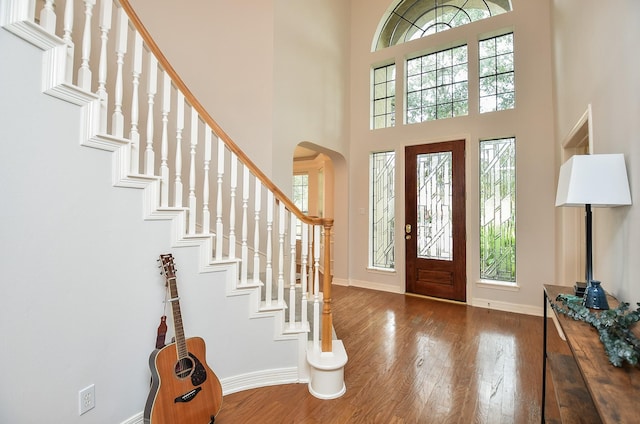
292 279
192 171
269 265
281 232
232 206
134 135
219 226
164 159
117 121
244 250
152 88
256 232
206 215
316 287
105 27
84 73
179 128
66 37
48 17
304 249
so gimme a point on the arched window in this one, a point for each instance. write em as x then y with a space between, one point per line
412 19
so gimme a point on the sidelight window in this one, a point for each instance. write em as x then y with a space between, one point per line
382 213
498 209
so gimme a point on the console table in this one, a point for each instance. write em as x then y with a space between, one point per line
588 388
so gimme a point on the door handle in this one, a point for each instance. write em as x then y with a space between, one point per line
407 228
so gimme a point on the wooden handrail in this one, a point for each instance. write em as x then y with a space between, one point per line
202 112
326 223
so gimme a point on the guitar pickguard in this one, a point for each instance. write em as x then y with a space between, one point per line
199 375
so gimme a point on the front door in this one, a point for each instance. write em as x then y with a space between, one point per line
435 232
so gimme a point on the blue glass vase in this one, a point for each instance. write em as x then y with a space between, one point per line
595 297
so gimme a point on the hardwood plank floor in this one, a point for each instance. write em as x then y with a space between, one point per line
416 360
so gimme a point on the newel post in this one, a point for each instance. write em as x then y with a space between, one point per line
326 364
327 317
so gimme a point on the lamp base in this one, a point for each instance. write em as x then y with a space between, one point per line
595 297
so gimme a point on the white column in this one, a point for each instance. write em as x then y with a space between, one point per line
152 88
117 121
164 150
105 27
206 215
292 277
192 171
134 135
244 250
269 252
232 206
84 73
219 225
177 202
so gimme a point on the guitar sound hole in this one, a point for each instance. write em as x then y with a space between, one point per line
184 367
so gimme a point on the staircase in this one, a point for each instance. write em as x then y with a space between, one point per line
237 225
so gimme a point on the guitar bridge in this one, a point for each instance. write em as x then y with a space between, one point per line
187 397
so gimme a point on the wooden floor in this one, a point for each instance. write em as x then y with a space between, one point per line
415 360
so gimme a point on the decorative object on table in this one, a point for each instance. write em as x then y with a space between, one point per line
613 325
595 297
593 181
580 288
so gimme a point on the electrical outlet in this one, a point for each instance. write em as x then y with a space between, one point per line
87 398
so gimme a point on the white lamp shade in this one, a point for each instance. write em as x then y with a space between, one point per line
596 180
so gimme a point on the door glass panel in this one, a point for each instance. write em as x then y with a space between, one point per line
435 237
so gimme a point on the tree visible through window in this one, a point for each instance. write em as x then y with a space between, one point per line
384 96
497 80
498 210
382 218
437 85
412 19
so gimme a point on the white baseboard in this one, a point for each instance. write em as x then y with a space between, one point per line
262 378
506 306
371 285
136 419
245 382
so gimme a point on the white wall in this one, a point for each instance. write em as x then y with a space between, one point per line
531 122
273 74
596 64
82 294
224 52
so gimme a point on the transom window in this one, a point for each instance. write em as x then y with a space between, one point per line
437 85
412 19
497 80
384 96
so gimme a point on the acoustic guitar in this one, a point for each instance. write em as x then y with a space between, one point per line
184 390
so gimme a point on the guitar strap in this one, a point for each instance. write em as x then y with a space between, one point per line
162 328
162 332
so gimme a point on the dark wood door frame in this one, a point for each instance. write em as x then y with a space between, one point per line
434 277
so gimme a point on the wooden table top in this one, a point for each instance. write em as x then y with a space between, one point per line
615 390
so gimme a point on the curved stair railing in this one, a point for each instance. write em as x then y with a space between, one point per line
98 54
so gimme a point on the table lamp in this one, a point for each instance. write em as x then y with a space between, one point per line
593 181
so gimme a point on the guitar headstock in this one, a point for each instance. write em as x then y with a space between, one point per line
167 266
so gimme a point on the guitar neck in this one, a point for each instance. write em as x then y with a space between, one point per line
181 344
168 269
